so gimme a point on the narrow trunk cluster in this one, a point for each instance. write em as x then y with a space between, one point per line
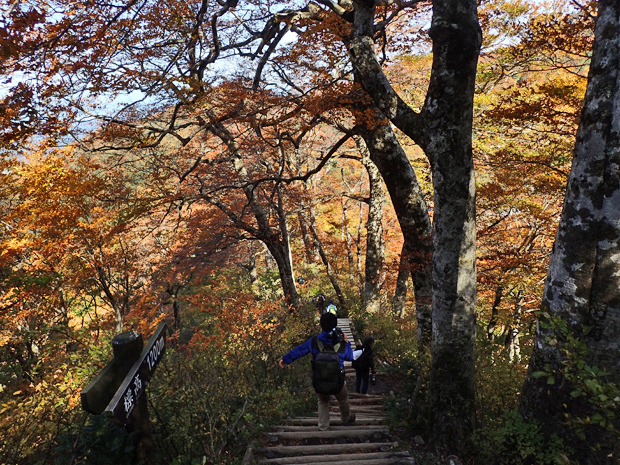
412 213
375 253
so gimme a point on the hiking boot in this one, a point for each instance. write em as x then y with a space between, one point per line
350 421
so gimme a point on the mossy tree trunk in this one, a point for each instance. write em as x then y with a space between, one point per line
582 288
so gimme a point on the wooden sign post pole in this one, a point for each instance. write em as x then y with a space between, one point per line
127 348
118 391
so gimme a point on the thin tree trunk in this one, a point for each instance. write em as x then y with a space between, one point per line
270 263
285 270
306 215
276 241
354 254
494 320
173 291
358 249
512 335
286 245
253 270
312 255
348 240
402 285
104 283
328 268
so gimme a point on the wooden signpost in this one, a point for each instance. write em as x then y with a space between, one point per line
118 391
125 399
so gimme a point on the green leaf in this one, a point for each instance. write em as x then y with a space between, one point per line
539 374
550 380
593 385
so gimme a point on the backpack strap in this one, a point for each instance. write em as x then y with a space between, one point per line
316 343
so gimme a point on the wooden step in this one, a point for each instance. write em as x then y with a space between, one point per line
322 449
371 458
374 397
332 427
361 402
354 400
334 414
356 410
374 431
335 420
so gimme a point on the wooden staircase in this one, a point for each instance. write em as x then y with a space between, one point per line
367 442
347 328
298 441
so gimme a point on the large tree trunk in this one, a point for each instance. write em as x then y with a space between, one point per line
448 111
443 129
583 281
375 253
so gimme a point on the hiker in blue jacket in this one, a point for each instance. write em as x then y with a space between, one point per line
343 349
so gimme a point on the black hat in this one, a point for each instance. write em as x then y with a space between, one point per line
328 322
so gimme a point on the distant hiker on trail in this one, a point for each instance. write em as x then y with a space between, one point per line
331 308
320 303
329 351
364 364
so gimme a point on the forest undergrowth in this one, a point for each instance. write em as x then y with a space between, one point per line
219 387
503 436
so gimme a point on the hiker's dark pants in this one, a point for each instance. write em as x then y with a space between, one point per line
361 382
343 403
